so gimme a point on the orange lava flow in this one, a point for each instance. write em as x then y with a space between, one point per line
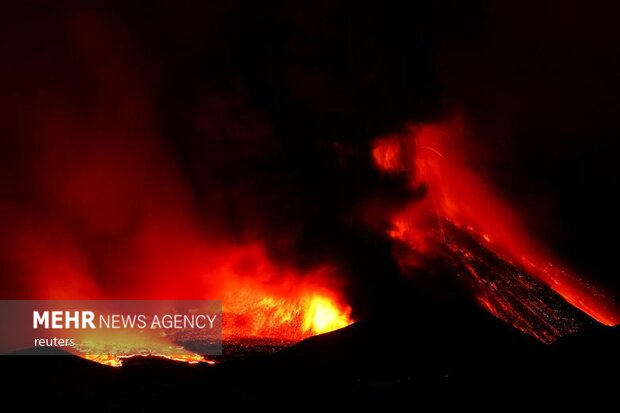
437 157
117 361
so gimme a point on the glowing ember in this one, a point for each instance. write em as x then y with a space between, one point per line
461 200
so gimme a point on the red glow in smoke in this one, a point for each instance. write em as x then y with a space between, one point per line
436 156
99 207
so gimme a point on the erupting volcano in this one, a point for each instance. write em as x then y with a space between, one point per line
464 223
197 157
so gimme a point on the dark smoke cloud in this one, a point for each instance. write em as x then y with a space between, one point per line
143 142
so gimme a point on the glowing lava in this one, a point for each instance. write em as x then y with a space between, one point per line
249 313
293 311
461 201
322 316
288 310
117 361
262 302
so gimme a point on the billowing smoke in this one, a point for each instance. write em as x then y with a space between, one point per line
153 151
